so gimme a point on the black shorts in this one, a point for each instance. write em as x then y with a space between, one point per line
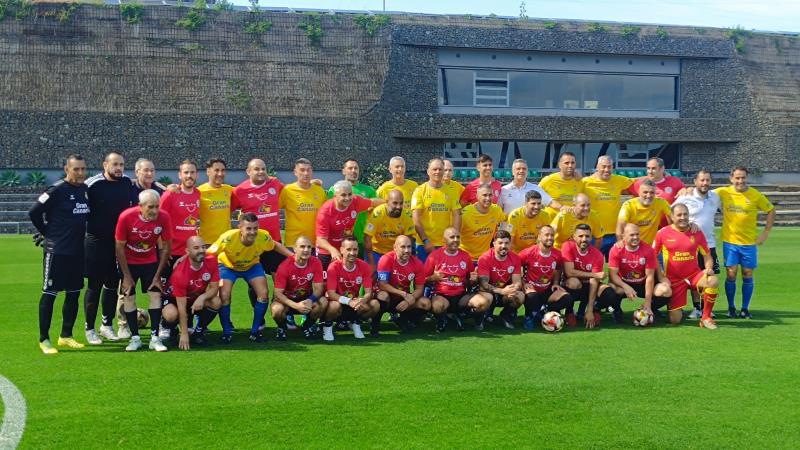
169 267
270 261
62 272
171 300
453 302
143 273
326 261
101 261
702 262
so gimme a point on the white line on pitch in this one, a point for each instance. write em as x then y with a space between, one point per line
14 415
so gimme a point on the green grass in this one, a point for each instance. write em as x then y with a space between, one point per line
662 387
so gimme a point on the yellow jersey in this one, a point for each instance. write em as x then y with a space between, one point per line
233 254
407 188
300 208
525 231
648 219
437 206
477 228
605 198
384 229
454 188
563 191
564 224
740 214
215 211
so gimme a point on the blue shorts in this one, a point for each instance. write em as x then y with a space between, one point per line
608 241
740 255
377 256
421 253
229 274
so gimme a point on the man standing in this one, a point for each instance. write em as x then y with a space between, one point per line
434 209
397 167
193 288
183 208
479 222
485 168
563 186
667 186
703 205
449 269
143 247
543 267
526 221
215 202
632 273
567 220
583 270
605 190
109 195
336 219
500 278
299 289
352 173
59 216
300 202
349 291
145 178
646 211
386 222
679 246
401 285
239 254
740 238
514 194
453 188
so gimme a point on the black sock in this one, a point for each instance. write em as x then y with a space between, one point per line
46 302
91 298
155 320
610 298
109 306
698 305
133 321
69 313
207 316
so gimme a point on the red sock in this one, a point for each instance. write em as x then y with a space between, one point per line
708 304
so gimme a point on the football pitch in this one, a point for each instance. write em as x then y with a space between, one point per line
617 386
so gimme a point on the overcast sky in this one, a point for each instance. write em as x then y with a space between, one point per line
776 15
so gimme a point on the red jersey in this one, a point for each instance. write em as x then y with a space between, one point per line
454 268
499 272
297 282
470 194
141 236
632 264
186 281
182 209
540 270
334 225
348 282
679 251
591 261
667 188
404 277
261 200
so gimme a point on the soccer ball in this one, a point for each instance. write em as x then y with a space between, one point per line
553 322
642 318
143 317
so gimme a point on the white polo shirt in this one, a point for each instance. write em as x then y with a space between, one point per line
702 211
512 197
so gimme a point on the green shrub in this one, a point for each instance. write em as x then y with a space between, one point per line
131 12
372 23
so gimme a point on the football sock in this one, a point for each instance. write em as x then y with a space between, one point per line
748 285
90 301
46 302
206 317
709 298
133 321
109 306
155 320
259 311
69 312
225 319
376 319
730 292
610 298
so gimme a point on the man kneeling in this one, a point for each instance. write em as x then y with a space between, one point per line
401 283
299 287
500 278
346 301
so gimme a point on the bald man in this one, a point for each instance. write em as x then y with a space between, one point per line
565 222
384 224
401 283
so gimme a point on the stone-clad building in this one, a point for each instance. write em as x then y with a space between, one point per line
329 86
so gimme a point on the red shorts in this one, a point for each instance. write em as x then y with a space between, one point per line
681 287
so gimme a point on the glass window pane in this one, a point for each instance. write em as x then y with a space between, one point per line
458 86
535 153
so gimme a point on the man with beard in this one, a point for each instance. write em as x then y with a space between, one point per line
583 269
526 221
183 208
386 222
543 266
679 246
401 285
646 211
349 291
109 195
500 278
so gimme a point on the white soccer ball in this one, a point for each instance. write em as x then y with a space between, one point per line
642 318
553 322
